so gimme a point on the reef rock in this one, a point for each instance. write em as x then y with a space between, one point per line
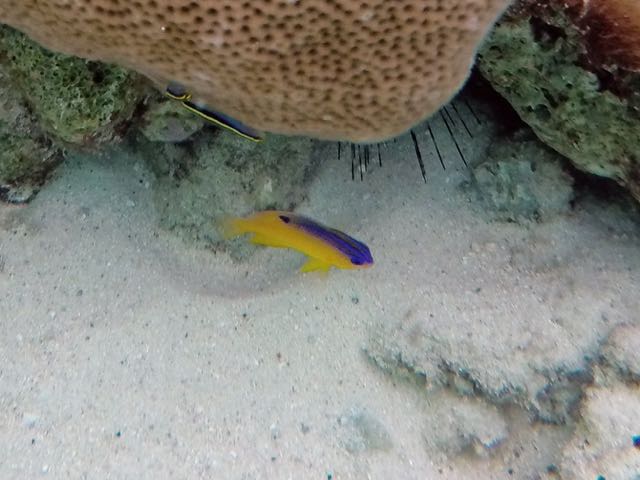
213 175
167 121
523 180
571 70
50 102
357 70
622 352
26 154
74 101
362 431
461 424
603 444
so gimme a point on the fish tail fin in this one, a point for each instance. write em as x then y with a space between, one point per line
230 227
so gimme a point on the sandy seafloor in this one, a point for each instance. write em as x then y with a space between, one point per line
127 354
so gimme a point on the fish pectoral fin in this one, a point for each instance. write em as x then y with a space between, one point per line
259 239
313 264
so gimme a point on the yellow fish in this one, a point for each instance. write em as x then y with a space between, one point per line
326 247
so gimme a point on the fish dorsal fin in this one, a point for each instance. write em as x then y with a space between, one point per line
346 238
313 264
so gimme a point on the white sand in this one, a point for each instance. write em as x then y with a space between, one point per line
125 354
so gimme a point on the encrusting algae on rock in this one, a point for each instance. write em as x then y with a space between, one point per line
27 155
75 101
52 102
571 70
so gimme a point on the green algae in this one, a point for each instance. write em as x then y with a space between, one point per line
26 155
24 159
75 101
565 105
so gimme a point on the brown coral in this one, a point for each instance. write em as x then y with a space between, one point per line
612 32
337 69
610 29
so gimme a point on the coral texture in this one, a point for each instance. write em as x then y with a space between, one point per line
358 70
571 73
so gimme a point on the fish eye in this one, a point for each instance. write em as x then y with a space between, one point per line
355 261
284 218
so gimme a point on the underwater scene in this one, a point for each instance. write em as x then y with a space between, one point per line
320 239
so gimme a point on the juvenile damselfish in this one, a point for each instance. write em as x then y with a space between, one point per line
326 247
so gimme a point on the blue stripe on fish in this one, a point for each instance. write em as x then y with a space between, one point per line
177 91
225 121
355 250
